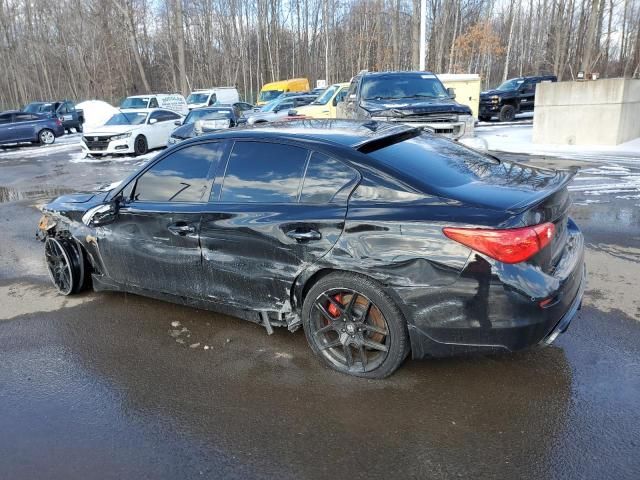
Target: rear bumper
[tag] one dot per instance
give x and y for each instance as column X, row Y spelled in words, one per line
column 496, row 307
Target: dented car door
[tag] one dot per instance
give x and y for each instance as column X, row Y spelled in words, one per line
column 153, row 244
column 275, row 209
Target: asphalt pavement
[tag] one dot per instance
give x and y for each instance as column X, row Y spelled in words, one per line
column 119, row 386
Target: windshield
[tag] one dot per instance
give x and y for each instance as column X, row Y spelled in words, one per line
column 509, row 85
column 122, row 118
column 268, row 95
column 198, row 98
column 326, row 96
column 38, row 108
column 392, row 87
column 134, row 102
column 270, row 106
column 196, row 115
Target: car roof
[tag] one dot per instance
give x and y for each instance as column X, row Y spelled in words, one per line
column 396, row 72
column 347, row 133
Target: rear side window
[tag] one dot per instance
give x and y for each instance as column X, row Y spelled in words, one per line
column 325, row 177
column 180, row 177
column 264, row 172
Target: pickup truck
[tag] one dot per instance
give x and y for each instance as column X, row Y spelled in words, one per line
column 516, row 95
column 65, row 111
column 413, row 98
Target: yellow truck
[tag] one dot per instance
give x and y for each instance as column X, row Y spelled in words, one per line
column 466, row 87
column 271, row 91
column 325, row 105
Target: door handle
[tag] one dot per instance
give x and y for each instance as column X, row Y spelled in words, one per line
column 304, row 235
column 181, row 229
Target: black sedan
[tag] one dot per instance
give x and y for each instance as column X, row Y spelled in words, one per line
column 378, row 239
column 206, row 120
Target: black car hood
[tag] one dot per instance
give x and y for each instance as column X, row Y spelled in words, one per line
column 185, row 131
column 74, row 205
column 404, row 107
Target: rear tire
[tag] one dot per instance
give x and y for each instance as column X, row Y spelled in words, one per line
column 140, row 146
column 507, row 113
column 354, row 326
column 46, row 137
column 79, row 128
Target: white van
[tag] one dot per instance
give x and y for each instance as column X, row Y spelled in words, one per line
column 212, row 96
column 170, row 101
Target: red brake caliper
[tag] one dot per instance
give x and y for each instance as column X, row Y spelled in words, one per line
column 332, row 309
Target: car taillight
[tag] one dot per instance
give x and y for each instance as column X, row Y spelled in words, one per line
column 58, row 122
column 511, row 245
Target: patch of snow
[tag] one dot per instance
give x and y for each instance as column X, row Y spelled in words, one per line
column 518, row 139
column 96, row 113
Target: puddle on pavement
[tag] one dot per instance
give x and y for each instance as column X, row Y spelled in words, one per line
column 11, row 194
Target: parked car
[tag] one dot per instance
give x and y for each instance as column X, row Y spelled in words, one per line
column 325, row 105
column 66, row 111
column 131, row 131
column 22, row 127
column 206, row 120
column 278, row 109
column 171, row 101
column 378, row 239
column 212, row 96
column 271, row 91
column 512, row 97
column 414, row 98
column 243, row 107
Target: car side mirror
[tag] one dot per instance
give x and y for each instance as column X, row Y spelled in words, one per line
column 292, row 112
column 152, row 121
column 100, row 215
column 452, row 93
column 177, row 123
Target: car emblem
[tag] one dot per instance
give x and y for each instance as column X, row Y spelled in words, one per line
column 95, row 139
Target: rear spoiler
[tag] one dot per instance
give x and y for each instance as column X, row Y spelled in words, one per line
column 384, row 135
column 565, row 177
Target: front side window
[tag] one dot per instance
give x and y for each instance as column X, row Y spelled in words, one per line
column 6, row 118
column 24, row 117
column 180, row 177
column 510, row 85
column 263, row 172
column 153, row 103
column 198, row 98
column 325, row 177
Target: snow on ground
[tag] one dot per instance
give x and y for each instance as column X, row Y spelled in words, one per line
column 66, row 142
column 82, row 157
column 514, row 138
column 96, row 113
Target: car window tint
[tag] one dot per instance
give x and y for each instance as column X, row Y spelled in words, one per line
column 180, row 177
column 153, row 103
column 23, row 117
column 324, row 178
column 264, row 172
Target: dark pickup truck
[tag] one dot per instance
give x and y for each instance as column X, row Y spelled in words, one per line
column 412, row 98
column 513, row 96
column 65, row 111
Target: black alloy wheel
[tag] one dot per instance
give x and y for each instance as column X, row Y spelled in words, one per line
column 507, row 113
column 140, row 146
column 65, row 264
column 355, row 329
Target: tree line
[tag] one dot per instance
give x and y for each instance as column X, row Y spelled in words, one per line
column 108, row 49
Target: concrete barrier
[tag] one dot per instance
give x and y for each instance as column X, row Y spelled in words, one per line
column 601, row 112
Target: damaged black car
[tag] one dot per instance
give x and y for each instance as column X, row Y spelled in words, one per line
column 379, row 239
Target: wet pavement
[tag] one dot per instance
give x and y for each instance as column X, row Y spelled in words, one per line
column 120, row 386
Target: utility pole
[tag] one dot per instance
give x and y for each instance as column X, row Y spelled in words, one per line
column 423, row 32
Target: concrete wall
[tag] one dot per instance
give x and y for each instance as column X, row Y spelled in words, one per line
column 601, row 112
